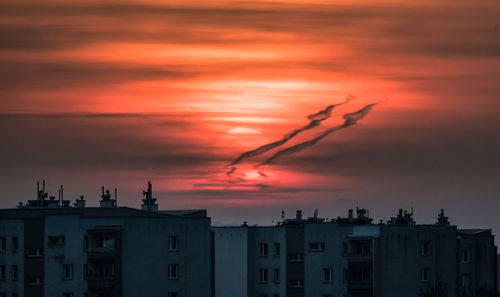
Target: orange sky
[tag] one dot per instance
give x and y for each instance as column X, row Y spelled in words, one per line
column 115, row 93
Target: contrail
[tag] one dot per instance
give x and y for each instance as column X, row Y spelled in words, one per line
column 349, row 120
column 315, row 120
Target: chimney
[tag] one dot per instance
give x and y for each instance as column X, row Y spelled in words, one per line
column 80, row 203
column 106, row 200
column 298, row 215
column 52, row 202
column 149, row 203
column 351, row 215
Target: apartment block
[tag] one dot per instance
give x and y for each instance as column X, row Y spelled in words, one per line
column 48, row 248
column 354, row 257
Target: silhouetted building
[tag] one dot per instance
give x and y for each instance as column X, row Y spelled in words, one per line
column 353, row 257
column 51, row 249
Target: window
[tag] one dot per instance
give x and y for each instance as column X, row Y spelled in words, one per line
column 172, row 243
column 263, row 277
column 67, row 294
column 106, row 242
column 276, row 295
column 316, row 246
column 277, row 277
column 263, row 250
column 172, row 271
column 68, row 271
column 56, row 240
column 15, row 244
column 465, row 280
column 299, row 257
column 465, row 256
column 327, row 275
column 34, row 252
column 15, row 295
column 173, row 294
column 424, row 248
column 2, row 244
column 327, row 295
column 3, row 272
column 15, row 272
column 424, row 274
column 277, row 250
column 296, row 283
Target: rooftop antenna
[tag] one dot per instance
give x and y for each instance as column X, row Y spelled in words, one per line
column 43, row 188
column 102, row 190
column 116, row 196
column 61, row 199
column 37, row 190
column 283, row 215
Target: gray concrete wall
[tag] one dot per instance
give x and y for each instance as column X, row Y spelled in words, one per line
column 231, row 261
column 10, row 229
column 332, row 257
column 401, row 259
column 269, row 235
column 146, row 257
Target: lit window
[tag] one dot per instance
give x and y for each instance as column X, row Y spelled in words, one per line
column 56, row 240
column 172, row 271
column 424, row 248
column 172, row 243
column 424, row 274
column 263, row 277
column 327, row 275
column 277, row 277
column 465, row 256
column 263, row 250
column 68, row 271
column 316, row 246
column 277, row 250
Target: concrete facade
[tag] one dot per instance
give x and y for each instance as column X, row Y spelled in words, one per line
column 352, row 257
column 105, row 251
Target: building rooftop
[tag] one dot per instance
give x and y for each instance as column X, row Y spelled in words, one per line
column 97, row 212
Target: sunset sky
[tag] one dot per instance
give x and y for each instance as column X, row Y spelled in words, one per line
column 117, row 93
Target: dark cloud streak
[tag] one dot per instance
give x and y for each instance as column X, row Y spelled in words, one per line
column 349, row 120
column 315, row 120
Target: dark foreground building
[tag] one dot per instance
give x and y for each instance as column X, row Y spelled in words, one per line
column 50, row 248
column 353, row 257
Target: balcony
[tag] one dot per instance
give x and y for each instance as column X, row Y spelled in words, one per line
column 101, row 282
